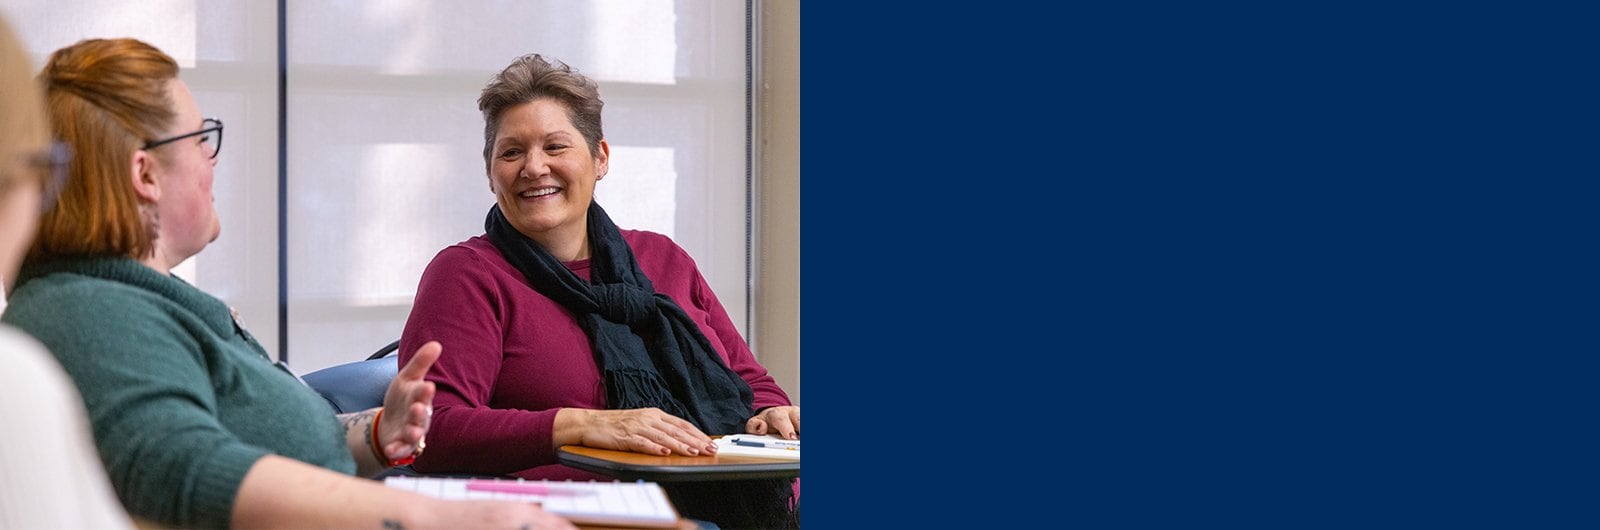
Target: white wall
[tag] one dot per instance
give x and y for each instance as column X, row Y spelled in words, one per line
column 776, row 329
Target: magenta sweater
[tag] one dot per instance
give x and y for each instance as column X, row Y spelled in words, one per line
column 512, row 356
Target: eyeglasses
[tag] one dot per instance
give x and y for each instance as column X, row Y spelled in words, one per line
column 210, row 134
column 52, row 167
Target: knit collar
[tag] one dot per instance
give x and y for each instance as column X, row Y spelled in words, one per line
column 209, row 309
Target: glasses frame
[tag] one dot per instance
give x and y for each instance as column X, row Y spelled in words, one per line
column 54, row 165
column 204, row 128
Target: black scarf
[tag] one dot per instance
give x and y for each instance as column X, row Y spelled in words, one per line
column 650, row 353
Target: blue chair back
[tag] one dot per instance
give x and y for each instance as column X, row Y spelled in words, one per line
column 355, row 386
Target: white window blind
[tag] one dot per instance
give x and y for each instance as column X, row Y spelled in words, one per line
column 385, row 142
column 228, row 54
column 384, row 164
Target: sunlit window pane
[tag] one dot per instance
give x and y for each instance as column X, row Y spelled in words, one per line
column 385, row 142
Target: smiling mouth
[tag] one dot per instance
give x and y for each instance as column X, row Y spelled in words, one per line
column 540, row 192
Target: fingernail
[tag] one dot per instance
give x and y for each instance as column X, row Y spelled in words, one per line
column 693, row 451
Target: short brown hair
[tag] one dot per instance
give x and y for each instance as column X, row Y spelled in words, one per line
column 532, row 77
column 106, row 97
column 22, row 119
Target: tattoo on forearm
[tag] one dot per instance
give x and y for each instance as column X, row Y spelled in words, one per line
column 350, row 421
column 391, row 524
column 353, row 420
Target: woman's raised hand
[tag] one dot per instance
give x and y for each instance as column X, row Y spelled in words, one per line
column 408, row 405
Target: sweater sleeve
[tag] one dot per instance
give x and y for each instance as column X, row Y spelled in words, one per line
column 460, row 304
column 740, row 358
column 150, row 399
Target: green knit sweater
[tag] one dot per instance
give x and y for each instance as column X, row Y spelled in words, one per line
column 183, row 401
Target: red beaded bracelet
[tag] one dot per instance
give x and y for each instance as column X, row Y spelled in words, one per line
column 377, row 448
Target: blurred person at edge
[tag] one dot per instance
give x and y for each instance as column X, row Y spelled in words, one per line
column 50, row 476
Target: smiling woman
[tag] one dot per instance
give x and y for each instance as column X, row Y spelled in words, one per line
column 566, row 329
column 543, row 175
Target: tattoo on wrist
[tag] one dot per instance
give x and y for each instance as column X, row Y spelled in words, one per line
column 391, row 524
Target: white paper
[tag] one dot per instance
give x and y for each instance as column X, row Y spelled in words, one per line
column 777, row 448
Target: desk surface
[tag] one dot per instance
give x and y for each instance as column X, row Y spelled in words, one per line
column 625, row 465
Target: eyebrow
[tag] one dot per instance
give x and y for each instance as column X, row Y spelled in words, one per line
column 553, row 135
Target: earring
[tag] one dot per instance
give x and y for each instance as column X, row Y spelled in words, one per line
column 152, row 220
